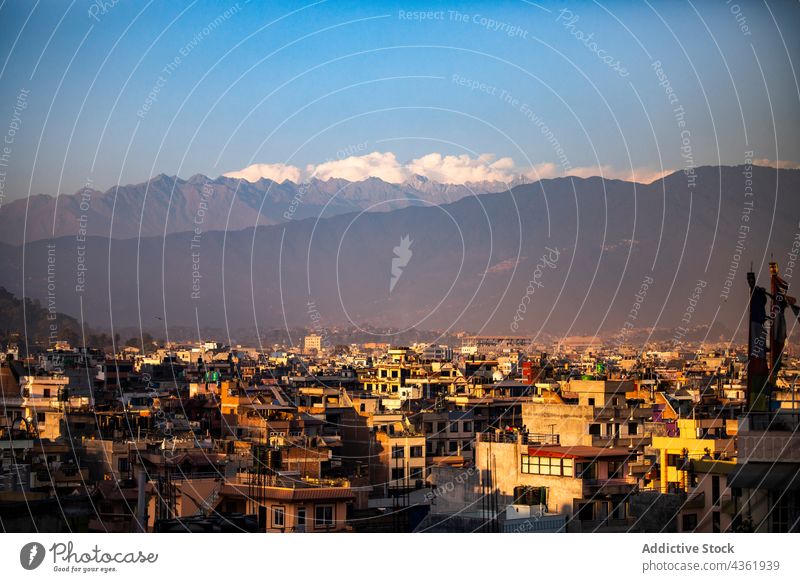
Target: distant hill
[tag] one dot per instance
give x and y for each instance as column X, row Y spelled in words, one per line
column 630, row 257
column 33, row 321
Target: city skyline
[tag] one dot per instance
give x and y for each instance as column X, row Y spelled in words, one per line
column 404, row 267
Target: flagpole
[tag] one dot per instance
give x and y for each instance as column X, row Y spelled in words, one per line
column 773, row 328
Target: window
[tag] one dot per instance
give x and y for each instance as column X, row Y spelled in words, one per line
column 398, row 452
column 122, row 465
column 617, row 510
column 715, row 490
column 633, row 428
column 614, row 469
column 416, row 452
column 566, row 467
column 40, row 417
column 525, row 495
column 594, row 429
column 466, row 446
column 674, row 461
column 529, row 465
column 278, row 516
column 440, row 426
column 417, row 474
column 453, row 427
column 547, row 466
column 394, row 373
column 46, row 393
column 586, row 470
column 466, row 426
column 591, row 401
column 323, row 516
column 428, row 428
column 398, row 473
column 452, row 446
column 689, row 522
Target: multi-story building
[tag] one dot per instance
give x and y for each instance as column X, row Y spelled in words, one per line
column 696, row 439
column 399, row 460
column 449, row 435
column 588, row 486
column 765, row 484
column 312, row 343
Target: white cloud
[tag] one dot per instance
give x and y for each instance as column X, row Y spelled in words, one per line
column 639, row 175
column 356, row 168
column 542, row 171
column 463, row 169
column 445, row 169
column 782, row 164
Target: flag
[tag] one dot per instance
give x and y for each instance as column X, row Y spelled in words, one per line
column 757, row 366
column 779, row 304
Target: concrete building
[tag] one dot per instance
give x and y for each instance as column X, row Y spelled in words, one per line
column 305, row 506
column 449, row 435
column 765, row 484
column 399, row 461
column 587, row 484
column 312, row 343
column 696, row 439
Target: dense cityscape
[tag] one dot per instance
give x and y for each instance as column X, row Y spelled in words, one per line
column 378, row 269
column 481, row 434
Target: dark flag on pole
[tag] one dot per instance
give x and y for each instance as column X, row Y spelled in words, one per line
column 758, row 390
column 779, row 303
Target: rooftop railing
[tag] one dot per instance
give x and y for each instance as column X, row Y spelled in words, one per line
column 522, row 438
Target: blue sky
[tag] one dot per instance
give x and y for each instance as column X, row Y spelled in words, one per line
column 300, row 83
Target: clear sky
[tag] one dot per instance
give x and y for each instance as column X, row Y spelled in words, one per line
column 118, row 92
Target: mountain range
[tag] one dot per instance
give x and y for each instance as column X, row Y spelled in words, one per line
column 167, row 205
column 562, row 256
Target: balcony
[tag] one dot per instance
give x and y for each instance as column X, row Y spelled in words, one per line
column 67, row 476
column 777, row 421
column 617, row 486
column 697, row 501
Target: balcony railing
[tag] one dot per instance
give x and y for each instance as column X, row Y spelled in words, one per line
column 522, row 438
